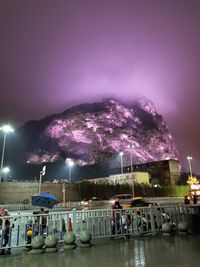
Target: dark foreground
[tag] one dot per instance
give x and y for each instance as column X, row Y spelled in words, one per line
column 158, row 251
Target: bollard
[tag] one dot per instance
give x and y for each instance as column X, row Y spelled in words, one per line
column 183, row 228
column 85, row 239
column 167, row 229
column 51, row 243
column 37, row 244
column 70, row 237
column 69, row 240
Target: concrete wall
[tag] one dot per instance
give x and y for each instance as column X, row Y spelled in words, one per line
column 16, row 192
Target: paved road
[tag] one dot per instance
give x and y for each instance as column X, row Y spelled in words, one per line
column 158, row 251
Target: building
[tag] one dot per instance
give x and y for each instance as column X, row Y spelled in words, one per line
column 137, row 177
column 165, row 172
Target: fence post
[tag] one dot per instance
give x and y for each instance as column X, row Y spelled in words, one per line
column 153, row 229
column 74, row 221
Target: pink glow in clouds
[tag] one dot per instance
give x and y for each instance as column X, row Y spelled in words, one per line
column 54, row 54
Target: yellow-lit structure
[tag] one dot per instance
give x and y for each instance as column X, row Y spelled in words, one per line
column 136, row 177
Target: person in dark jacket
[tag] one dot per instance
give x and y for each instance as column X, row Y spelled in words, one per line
column 195, row 199
column 186, row 200
column 116, row 217
column 7, row 229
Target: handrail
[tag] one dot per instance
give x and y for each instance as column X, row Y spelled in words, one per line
column 100, row 222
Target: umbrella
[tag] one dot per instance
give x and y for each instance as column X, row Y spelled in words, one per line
column 44, row 200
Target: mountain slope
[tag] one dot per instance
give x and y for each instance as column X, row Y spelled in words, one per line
column 91, row 133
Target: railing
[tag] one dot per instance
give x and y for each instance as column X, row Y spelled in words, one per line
column 17, row 231
column 77, row 204
column 16, row 207
column 21, row 207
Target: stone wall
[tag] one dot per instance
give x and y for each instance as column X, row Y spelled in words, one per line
column 16, row 192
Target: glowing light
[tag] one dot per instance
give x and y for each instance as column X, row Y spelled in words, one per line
column 6, row 170
column 7, row 129
column 71, row 163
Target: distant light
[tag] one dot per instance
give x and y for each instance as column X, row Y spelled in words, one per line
column 6, row 170
column 131, row 146
column 71, row 163
column 189, row 157
column 121, row 153
column 7, row 129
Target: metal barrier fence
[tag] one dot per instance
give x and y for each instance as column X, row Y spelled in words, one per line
column 16, row 207
column 17, row 231
column 77, row 204
column 21, row 207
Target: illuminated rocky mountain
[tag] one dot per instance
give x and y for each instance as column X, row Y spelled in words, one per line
column 92, row 133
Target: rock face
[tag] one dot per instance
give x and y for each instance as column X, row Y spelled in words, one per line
column 92, row 133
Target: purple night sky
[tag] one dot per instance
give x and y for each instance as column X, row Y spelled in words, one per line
column 54, row 54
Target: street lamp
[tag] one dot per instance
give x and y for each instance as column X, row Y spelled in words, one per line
column 121, row 159
column 63, row 192
column 131, row 161
column 131, row 158
column 6, row 129
column 71, row 164
column 5, row 171
column 189, row 162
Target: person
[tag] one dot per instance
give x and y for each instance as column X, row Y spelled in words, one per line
column 116, row 217
column 44, row 221
column 40, row 223
column 186, row 200
column 6, row 235
column 195, row 199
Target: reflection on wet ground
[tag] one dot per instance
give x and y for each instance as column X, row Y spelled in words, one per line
column 157, row 251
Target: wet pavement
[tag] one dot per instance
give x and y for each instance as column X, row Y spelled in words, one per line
column 151, row 251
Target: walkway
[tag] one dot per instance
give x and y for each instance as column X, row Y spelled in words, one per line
column 157, row 251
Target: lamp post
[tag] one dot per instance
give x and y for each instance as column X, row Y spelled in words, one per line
column 131, row 158
column 71, row 164
column 63, row 191
column 6, row 129
column 189, row 158
column 6, row 170
column 42, row 173
column 121, row 160
column 131, row 162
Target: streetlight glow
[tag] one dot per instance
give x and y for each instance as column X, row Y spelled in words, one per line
column 6, row 170
column 6, row 129
column 71, row 163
